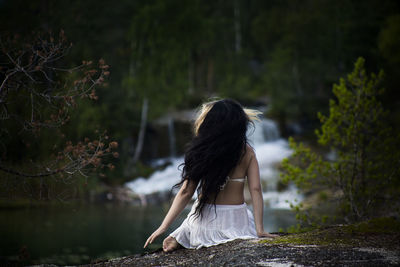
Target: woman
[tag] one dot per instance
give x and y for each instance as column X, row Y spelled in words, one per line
column 217, row 163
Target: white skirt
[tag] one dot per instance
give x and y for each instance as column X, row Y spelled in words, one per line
column 220, row 225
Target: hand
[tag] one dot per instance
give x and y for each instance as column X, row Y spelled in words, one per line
column 153, row 236
column 265, row 234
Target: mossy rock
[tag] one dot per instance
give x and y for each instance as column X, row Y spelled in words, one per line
column 378, row 232
column 376, row 225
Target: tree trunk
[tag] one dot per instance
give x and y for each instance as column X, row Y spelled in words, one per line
column 142, row 131
column 191, row 80
column 238, row 36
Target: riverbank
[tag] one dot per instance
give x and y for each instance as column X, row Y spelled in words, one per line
column 373, row 243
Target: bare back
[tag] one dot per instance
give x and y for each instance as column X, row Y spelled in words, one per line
column 232, row 193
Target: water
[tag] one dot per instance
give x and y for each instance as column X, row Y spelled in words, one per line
column 78, row 234
column 82, row 234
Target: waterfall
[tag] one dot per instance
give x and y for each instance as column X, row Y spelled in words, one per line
column 270, row 130
column 270, row 150
column 264, row 130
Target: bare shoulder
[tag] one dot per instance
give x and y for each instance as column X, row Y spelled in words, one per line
column 249, row 154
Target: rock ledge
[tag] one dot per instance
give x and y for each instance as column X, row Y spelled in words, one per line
column 261, row 253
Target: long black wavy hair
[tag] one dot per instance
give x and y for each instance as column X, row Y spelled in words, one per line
column 218, row 145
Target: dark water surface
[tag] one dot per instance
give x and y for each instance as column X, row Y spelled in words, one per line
column 81, row 234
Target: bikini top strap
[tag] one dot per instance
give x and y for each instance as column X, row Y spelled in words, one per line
column 242, row 180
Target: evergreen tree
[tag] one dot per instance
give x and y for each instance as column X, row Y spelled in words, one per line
column 364, row 174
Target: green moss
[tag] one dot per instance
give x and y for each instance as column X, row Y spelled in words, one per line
column 376, row 225
column 296, row 229
column 315, row 237
column 348, row 235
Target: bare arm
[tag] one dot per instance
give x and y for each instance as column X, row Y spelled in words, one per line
column 180, row 201
column 253, row 176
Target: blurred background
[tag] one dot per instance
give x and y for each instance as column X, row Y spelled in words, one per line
column 156, row 62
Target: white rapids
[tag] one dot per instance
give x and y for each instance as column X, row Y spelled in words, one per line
column 270, row 150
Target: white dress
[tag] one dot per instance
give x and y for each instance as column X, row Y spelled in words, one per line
column 216, row 226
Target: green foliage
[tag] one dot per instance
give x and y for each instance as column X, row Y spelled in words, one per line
column 178, row 53
column 389, row 39
column 364, row 175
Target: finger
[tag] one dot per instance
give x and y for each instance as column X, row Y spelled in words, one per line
column 152, row 238
column 145, row 244
column 148, row 241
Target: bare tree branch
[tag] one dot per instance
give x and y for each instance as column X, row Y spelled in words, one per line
column 38, row 91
